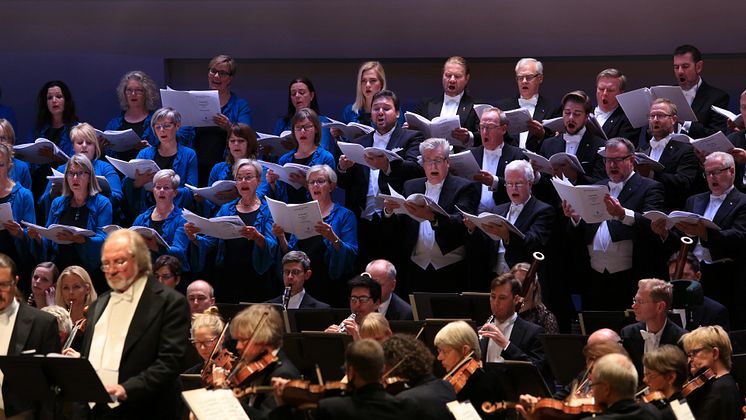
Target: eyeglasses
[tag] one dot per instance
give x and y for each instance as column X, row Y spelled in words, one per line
column 245, row 178
column 641, row 301
column 205, row 343
column 294, row 272
column 167, row 126
column 6, row 285
column 163, row 187
column 527, row 77
column 308, row 127
column 134, row 91
column 654, row 117
column 76, row 174
column 219, row 73
column 320, row 181
column 715, row 172
column 616, row 159
column 436, row 162
column 107, row 266
column 693, row 352
column 650, row 374
column 360, row 299
column 514, row 184
column 164, row 276
column 489, row 127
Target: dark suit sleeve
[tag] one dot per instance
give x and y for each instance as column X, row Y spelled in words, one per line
column 687, row 169
column 407, row 168
column 529, row 349
column 712, row 121
column 172, row 345
column 538, row 234
column 728, row 242
column 452, row 226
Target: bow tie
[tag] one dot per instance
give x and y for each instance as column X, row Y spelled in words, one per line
column 616, row 185
column 718, row 197
column 572, row 139
column 647, row 335
column 452, row 100
column 126, row 296
column 525, row 102
column 497, row 152
column 657, row 144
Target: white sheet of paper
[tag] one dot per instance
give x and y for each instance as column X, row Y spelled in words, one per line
column 297, row 219
column 197, row 107
column 149, row 233
column 716, row 142
column 120, row 140
column 737, row 119
column 463, row 410
column 555, row 124
column 224, row 227
column 217, row 404
column 486, row 218
column 6, row 214
column 350, row 130
column 439, row 127
column 31, row 152
column 356, row 152
column 586, row 200
column 211, row 192
column 284, row 171
column 53, row 229
column 675, row 95
column 643, row 159
column 636, row 103
column 480, row 108
column 417, row 198
column 274, row 145
column 681, row 410
column 464, row 165
column 129, row 168
column 518, row 120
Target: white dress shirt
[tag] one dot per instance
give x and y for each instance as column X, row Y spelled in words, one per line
column 658, row 146
column 490, row 162
column 689, row 95
column 652, row 340
column 702, row 253
column 380, row 141
column 494, row 352
column 530, row 105
column 296, row 299
column 606, row 254
column 450, row 105
column 602, row 116
column 7, row 322
column 426, row 250
column 572, row 141
column 384, row 306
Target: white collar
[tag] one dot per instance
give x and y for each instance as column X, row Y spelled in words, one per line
column 456, row 98
column 497, row 152
column 9, row 311
column 530, row 101
column 574, row 138
column 722, row 196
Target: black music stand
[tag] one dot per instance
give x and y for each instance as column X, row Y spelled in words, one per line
column 591, row 321
column 190, row 381
column 307, row 349
column 514, row 377
column 565, row 355
column 467, row 305
column 54, row 379
column 739, row 372
column 300, row 320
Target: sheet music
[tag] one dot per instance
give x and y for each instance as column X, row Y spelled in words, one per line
column 298, row 219
column 586, row 200
column 213, row 192
column 31, row 152
column 224, row 227
column 120, row 140
column 215, row 404
column 197, row 107
column 6, row 214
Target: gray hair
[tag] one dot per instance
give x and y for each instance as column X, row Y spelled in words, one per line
column 618, row 372
column 83, row 162
column 297, row 257
column 64, row 323
column 328, row 172
column 243, row 162
column 616, row 141
column 163, row 114
column 457, row 334
column 152, row 98
column 436, row 144
column 137, row 248
column 525, row 61
column 523, row 166
column 167, row 173
column 725, row 158
column 389, row 267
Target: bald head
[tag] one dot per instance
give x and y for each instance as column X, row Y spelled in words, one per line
column 200, row 295
column 384, row 273
column 604, row 335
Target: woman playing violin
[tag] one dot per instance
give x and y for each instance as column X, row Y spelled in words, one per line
column 457, row 342
column 666, row 371
column 718, row 398
column 206, row 330
column 261, row 345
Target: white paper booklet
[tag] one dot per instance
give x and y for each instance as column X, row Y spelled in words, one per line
column 6, row 214
column 416, row 198
column 546, row 165
column 120, row 140
column 297, row 219
column 518, row 120
column 144, row 231
column 679, row 217
column 214, row 404
column 586, row 200
column 636, row 103
column 356, row 152
column 197, row 107
column 439, row 127
column 555, row 124
column 31, row 152
column 53, row 229
column 716, row 142
column 275, row 145
column 57, row 177
column 737, row 119
column 643, row 159
column 223, row 227
column 214, row 192
column 464, row 164
column 480, row 108
column 350, row 130
column 128, row 168
column 284, row 171
column 485, row 218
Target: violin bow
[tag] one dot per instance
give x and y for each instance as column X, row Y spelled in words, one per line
column 240, row 363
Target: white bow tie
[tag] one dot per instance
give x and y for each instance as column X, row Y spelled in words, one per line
column 647, row 335
column 525, row 102
column 572, row 139
column 117, row 297
column 616, row 185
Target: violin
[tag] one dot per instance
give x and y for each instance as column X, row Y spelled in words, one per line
column 462, row 372
column 548, row 408
column 244, row 370
column 299, row 393
column 697, row 382
column 395, row 384
column 223, row 359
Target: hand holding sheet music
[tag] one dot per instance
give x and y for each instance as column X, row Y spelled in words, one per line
column 439, row 127
column 586, row 200
column 357, row 153
column 223, row 227
column 41, row 151
column 298, row 219
column 412, row 206
column 61, row 234
column 197, row 107
column 486, row 218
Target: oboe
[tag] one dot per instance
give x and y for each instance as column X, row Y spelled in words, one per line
column 342, row 328
column 286, row 298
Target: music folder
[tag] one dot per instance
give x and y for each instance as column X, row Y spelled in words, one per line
column 39, row 378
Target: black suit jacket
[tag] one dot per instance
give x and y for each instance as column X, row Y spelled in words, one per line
column 154, row 349
column 709, row 121
column 629, row 410
column 430, row 395
column 680, row 173
column 509, row 154
column 355, row 179
column 544, row 110
column 524, row 344
column 450, row 232
column 618, row 125
column 430, row 108
column 587, row 154
column 369, row 402
column 308, row 302
column 33, row 330
column 635, row 345
column 710, row 312
column 738, row 139
column 728, row 242
column 398, row 309
column 535, row 221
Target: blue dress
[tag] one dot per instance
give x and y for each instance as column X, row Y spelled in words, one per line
column 184, row 136
column 172, row 231
column 20, row 173
column 319, row 157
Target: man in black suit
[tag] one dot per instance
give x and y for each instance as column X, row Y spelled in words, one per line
column 680, row 165
column 507, row 336
column 363, row 182
column 529, row 74
column 365, row 297
column 22, row 328
column 364, row 361
column 411, row 359
column 687, row 67
column 454, row 101
column 577, row 140
column 621, row 250
column 653, row 329
column 720, row 251
column 433, row 243
column 392, row 306
column 492, row 156
column 610, row 83
column 137, row 334
column 296, row 271
column 710, row 312
column 738, row 138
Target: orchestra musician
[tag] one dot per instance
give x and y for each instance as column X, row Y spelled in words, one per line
column 365, row 296
column 666, row 370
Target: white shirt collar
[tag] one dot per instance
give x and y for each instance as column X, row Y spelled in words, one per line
column 456, row 98
column 384, row 306
column 574, row 138
column 530, row 101
column 660, row 143
column 507, row 322
column 7, row 313
column 722, row 196
column 497, row 152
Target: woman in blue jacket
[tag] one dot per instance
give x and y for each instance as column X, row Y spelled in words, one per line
column 302, row 94
column 19, row 171
column 13, row 240
column 82, row 206
column 243, row 264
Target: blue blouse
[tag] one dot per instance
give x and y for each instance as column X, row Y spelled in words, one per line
column 173, row 234
column 319, row 157
column 261, row 259
column 20, row 173
column 183, row 136
column 22, row 204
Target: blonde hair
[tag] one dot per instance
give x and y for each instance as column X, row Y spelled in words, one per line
column 8, row 131
column 380, row 73
column 244, row 324
column 83, row 162
column 83, row 275
column 710, row 337
column 210, row 319
column 88, row 132
column 457, row 334
column 375, row 325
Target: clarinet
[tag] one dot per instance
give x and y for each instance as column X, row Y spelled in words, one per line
column 342, row 328
column 490, row 320
column 286, row 298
